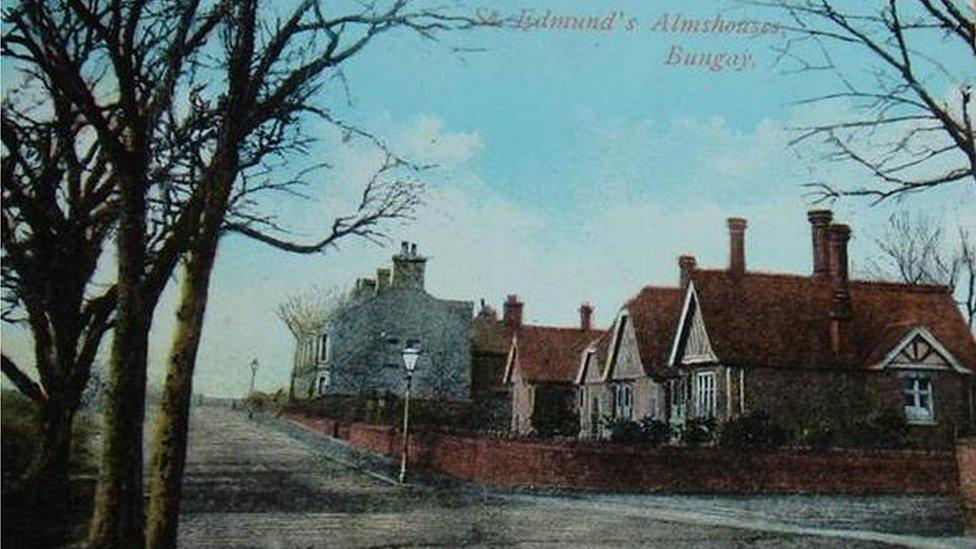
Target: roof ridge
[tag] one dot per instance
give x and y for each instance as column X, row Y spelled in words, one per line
column 563, row 328
column 878, row 284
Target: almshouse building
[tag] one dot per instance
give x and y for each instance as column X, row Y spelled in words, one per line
column 623, row 374
column 821, row 349
column 359, row 351
column 541, row 370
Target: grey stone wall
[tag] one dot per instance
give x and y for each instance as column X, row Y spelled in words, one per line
column 367, row 338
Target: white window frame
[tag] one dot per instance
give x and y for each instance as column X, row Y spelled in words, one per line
column 324, row 381
column 324, row 345
column 920, row 389
column 705, row 394
column 624, row 400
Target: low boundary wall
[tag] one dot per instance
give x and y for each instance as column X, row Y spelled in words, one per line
column 630, row 468
column 966, row 463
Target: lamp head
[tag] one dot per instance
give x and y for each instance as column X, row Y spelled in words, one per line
column 410, row 357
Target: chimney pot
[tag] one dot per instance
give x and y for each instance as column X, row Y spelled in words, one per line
column 586, row 316
column 413, row 249
column 737, row 245
column 819, row 227
column 512, row 311
column 686, row 264
column 408, row 269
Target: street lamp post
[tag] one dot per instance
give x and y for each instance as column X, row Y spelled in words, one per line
column 254, row 372
column 410, row 356
column 250, row 403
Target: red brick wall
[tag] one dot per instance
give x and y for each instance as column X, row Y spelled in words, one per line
column 966, row 461
column 603, row 466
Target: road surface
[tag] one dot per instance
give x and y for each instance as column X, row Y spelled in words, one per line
column 248, row 484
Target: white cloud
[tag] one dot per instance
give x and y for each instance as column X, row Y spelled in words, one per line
column 643, row 191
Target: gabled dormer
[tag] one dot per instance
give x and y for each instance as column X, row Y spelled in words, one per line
column 691, row 344
column 919, row 349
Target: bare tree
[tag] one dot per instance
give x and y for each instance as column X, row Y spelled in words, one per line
column 966, row 277
column 305, row 314
column 893, row 62
column 185, row 154
column 915, row 250
column 57, row 213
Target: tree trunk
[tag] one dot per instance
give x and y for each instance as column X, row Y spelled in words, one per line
column 117, row 520
column 49, row 467
column 173, row 419
column 45, row 484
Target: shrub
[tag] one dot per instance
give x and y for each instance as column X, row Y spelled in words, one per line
column 756, row 428
column 19, row 433
column 555, row 424
column 624, row 430
column 887, row 429
column 645, row 431
column 698, row 431
column 656, row 432
column 816, row 435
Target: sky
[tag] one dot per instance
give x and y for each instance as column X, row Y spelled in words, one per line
column 571, row 166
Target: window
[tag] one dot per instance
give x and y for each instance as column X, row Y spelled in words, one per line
column 676, row 391
column 705, row 394
column 917, row 391
column 324, row 347
column 323, row 382
column 624, row 395
column 595, row 417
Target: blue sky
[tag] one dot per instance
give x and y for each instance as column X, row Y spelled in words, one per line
column 572, row 165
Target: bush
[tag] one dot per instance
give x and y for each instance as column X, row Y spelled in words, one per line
column 624, row 430
column 656, row 432
column 754, row 429
column 19, row 433
column 554, row 424
column 887, row 430
column 698, row 431
column 817, row 436
column 646, row 431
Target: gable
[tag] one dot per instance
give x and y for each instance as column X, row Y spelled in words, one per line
column 587, row 359
column 510, row 361
column 697, row 348
column 625, row 361
column 919, row 352
column 692, row 344
column 919, row 349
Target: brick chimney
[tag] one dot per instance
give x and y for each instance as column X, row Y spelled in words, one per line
column 512, row 311
column 382, row 280
column 408, row 268
column 819, row 227
column 737, row 245
column 686, row 265
column 586, row 316
column 841, row 309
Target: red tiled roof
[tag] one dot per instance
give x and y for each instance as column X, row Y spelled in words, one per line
column 655, row 313
column 761, row 319
column 550, row 354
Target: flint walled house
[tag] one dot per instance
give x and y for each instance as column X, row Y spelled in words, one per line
column 814, row 351
column 818, row 350
column 359, row 351
column 540, row 370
